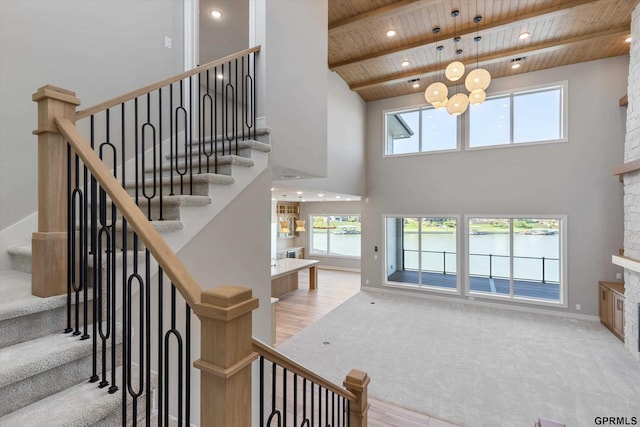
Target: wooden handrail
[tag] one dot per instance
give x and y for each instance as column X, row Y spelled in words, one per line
column 166, row 258
column 280, row 359
column 154, row 86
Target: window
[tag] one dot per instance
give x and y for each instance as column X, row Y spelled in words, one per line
column 508, row 119
column 422, row 251
column 336, row 235
column 518, row 258
column 517, row 118
column 419, row 130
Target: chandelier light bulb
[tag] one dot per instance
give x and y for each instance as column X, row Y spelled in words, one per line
column 477, row 79
column 458, row 104
column 454, row 71
column 436, row 92
column 477, row 96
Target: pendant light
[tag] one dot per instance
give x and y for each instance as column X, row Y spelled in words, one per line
column 300, row 222
column 436, row 93
column 284, row 224
column 458, row 104
column 455, row 70
column 478, row 79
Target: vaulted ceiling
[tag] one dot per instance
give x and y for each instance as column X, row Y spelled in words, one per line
column 562, row 32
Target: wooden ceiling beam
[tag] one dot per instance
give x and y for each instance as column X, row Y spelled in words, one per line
column 490, row 27
column 533, row 49
column 381, row 12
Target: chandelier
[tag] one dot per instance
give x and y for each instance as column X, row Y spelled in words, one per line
column 476, row 81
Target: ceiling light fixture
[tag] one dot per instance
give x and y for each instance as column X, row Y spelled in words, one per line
column 524, row 35
column 416, row 85
column 517, row 62
column 436, row 93
column 405, row 63
column 216, row 14
column 455, row 70
column 476, row 82
column 391, row 33
column 628, row 39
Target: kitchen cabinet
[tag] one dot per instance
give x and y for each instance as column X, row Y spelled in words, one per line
column 611, row 304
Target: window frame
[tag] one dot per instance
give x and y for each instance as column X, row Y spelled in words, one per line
column 328, row 254
column 420, row 108
column 511, row 94
column 422, row 287
column 562, row 268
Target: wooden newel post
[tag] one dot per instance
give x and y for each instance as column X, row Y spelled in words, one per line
column 357, row 383
column 49, row 243
column 226, row 356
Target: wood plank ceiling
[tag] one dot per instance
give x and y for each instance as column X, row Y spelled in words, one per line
column 562, row 32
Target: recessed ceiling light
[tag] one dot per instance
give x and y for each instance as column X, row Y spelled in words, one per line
column 320, row 195
column 298, row 192
column 273, row 199
column 348, row 200
column 516, row 62
column 405, row 63
column 391, row 33
column 628, row 39
column 416, row 85
column 303, row 200
column 272, row 188
column 524, row 35
column 337, row 197
column 216, row 14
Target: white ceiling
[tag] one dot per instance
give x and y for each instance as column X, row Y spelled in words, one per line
column 292, row 195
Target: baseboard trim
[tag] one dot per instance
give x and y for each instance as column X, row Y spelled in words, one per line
column 586, row 317
column 331, row 267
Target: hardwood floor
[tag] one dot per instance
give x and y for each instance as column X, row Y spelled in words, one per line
column 300, row 308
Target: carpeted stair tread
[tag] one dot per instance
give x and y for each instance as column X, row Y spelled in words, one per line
column 81, row 405
column 227, row 160
column 260, row 132
column 16, row 299
column 161, row 226
column 248, row 144
column 174, row 200
column 200, row 178
column 40, row 355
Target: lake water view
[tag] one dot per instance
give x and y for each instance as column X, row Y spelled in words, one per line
column 528, row 253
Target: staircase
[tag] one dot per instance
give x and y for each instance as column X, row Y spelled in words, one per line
column 148, row 171
column 43, row 372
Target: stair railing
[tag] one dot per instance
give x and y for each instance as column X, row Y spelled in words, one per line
column 290, row 394
column 126, row 289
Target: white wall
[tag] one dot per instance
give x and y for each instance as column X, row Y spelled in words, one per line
column 295, row 63
column 345, row 142
column 234, row 250
column 327, row 208
column 224, row 36
column 573, row 178
column 97, row 48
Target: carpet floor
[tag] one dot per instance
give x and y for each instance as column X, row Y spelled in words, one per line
column 474, row 365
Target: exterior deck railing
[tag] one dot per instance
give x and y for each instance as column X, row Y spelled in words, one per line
column 490, row 258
